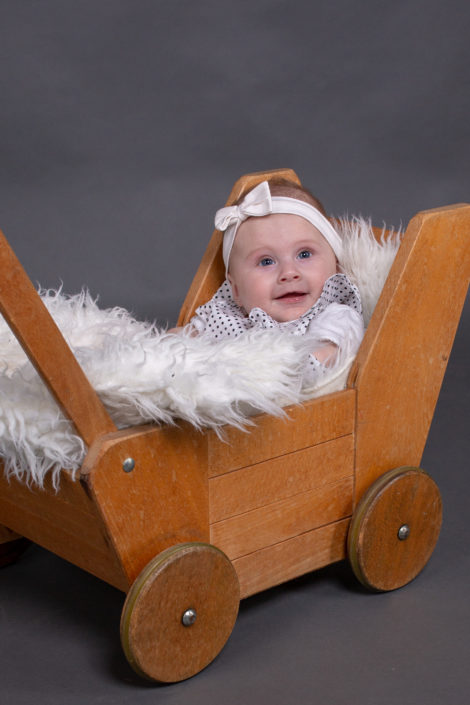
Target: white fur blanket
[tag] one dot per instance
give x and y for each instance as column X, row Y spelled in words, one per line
column 144, row 374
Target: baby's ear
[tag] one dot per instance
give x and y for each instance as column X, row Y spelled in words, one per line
column 234, row 288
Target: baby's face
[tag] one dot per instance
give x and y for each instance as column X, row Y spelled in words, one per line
column 279, row 263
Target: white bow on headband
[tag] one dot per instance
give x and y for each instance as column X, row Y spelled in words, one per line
column 259, row 202
column 256, row 203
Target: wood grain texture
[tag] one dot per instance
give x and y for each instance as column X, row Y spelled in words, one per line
column 242, row 490
column 163, row 501
column 112, row 523
column 7, row 534
column 287, row 560
column 308, row 424
column 64, row 522
column 155, row 640
column 404, row 497
column 45, row 346
column 211, row 271
column 268, row 525
column 401, row 362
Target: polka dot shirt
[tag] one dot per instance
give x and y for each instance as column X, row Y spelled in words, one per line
column 223, row 318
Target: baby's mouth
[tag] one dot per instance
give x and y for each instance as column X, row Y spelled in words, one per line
column 292, row 296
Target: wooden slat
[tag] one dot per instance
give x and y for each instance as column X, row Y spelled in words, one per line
column 111, row 520
column 42, row 341
column 265, row 526
column 88, row 556
column 211, row 271
column 72, row 517
column 252, row 487
column 400, row 365
column 163, row 501
column 65, row 523
column 276, row 564
column 308, row 424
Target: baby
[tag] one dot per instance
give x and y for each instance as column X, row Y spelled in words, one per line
column 282, row 255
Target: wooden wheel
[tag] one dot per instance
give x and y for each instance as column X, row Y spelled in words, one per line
column 395, row 528
column 179, row 612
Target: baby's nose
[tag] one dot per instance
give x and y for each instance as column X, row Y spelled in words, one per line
column 288, row 274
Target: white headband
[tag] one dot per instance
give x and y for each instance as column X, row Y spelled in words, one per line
column 259, row 202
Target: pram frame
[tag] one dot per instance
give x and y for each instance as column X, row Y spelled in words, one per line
column 279, row 500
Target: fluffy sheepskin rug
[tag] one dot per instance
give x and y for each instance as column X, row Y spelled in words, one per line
column 144, row 374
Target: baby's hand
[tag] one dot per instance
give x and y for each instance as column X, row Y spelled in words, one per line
column 326, row 354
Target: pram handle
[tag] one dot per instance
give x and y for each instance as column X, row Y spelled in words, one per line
column 44, row 344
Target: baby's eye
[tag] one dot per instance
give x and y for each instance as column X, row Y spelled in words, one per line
column 266, row 261
column 305, row 254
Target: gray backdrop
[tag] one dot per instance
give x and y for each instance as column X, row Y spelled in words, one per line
column 123, row 125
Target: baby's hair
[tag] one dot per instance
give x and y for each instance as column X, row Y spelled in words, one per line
column 283, row 187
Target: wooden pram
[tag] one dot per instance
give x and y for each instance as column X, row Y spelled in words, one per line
column 187, row 525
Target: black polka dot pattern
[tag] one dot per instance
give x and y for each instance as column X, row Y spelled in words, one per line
column 222, row 318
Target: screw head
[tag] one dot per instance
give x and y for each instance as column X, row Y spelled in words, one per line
column 189, row 617
column 128, row 465
column 403, row 532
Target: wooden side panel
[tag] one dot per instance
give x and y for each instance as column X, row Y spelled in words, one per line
column 287, row 560
column 65, row 522
column 273, row 480
column 265, row 526
column 211, row 271
column 7, row 535
column 42, row 341
column 163, row 501
column 400, row 365
column 308, row 424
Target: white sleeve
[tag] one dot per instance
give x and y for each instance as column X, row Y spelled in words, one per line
column 314, row 371
column 198, row 323
column 338, row 324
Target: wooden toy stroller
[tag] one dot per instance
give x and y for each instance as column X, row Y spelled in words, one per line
column 187, row 525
